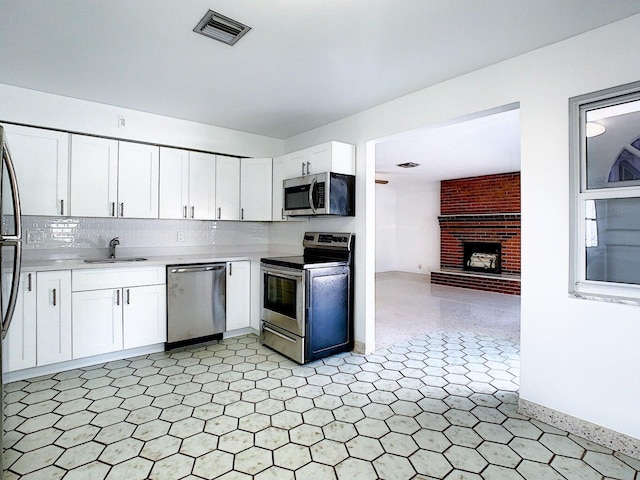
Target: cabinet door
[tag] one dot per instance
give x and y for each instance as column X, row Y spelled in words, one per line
column 19, row 346
column 97, row 322
column 174, row 183
column 238, row 295
column 318, row 158
column 53, row 303
column 331, row 157
column 94, row 176
column 138, row 178
column 255, row 189
column 145, row 315
column 41, row 159
column 202, row 186
column 228, row 188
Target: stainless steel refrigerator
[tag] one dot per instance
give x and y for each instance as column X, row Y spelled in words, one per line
column 10, row 253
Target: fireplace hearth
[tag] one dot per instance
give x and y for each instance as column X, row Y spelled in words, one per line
column 482, row 257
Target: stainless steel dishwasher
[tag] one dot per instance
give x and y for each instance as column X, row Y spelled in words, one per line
column 196, row 303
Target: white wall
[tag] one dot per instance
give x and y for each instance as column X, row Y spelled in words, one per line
column 30, row 107
column 407, row 229
column 417, row 228
column 386, row 239
column 578, row 356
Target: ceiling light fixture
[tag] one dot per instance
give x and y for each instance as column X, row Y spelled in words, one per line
column 221, row 28
column 408, row 165
column 594, row 129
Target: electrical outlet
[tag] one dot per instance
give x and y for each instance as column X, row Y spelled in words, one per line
column 180, row 236
column 35, row 237
column 122, row 121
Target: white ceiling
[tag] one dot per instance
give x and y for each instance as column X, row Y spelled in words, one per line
column 485, row 145
column 305, row 63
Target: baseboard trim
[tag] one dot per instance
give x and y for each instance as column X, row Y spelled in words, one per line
column 603, row 436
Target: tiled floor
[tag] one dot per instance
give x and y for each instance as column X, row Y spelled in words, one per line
column 439, row 406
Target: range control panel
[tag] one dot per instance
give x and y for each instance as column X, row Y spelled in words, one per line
column 342, row 241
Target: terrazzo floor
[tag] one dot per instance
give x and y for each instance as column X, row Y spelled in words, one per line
column 440, row 406
column 407, row 306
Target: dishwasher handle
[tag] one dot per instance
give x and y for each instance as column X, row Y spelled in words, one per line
column 200, row 268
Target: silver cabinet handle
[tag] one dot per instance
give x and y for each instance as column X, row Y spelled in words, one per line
column 113, row 209
column 303, row 169
column 193, row 211
column 61, row 207
column 29, row 287
column 122, row 209
column 184, row 212
column 55, row 301
column 242, row 214
column 128, row 296
column 219, row 213
column 308, row 168
column 118, row 297
column 282, row 213
column 230, row 269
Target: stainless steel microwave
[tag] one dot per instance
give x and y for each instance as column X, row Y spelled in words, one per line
column 326, row 193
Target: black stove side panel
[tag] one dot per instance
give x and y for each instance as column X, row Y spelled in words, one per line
column 329, row 328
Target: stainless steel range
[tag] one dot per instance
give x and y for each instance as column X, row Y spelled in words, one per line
column 307, row 301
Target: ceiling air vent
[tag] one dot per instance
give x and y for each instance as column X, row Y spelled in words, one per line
column 221, row 28
column 408, row 165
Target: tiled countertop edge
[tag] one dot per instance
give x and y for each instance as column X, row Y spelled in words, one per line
column 603, row 436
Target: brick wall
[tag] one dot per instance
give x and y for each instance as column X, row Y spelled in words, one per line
column 480, row 209
column 487, row 194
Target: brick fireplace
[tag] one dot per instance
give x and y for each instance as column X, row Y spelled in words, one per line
column 480, row 233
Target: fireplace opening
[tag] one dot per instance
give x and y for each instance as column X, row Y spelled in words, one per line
column 482, row 257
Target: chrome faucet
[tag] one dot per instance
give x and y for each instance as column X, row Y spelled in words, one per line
column 112, row 246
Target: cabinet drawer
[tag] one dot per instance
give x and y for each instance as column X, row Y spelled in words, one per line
column 100, row 278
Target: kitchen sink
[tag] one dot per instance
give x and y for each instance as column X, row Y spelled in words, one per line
column 114, row 260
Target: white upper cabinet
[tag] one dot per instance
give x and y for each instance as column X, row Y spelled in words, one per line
column 255, row 189
column 187, row 184
column 227, row 188
column 41, row 159
column 330, row 157
column 327, row 157
column 110, row 178
column 202, row 186
column 174, row 183
column 94, row 176
column 138, row 177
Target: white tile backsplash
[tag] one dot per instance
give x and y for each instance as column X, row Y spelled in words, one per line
column 95, row 233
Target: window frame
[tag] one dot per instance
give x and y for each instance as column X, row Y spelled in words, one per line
column 579, row 286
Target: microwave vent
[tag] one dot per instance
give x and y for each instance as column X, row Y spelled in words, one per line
column 221, row 28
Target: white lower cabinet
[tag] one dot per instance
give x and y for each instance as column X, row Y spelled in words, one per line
column 238, row 296
column 19, row 346
column 97, row 322
column 53, row 304
column 116, row 308
column 145, row 315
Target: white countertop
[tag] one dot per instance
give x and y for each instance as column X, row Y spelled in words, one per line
column 56, row 260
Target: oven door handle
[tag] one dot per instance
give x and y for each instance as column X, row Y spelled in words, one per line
column 283, row 275
column 278, row 334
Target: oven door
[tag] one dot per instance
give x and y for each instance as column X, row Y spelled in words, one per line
column 283, row 298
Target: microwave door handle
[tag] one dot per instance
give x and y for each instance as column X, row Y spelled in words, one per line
column 312, row 187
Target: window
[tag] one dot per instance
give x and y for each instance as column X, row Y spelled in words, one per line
column 605, row 194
